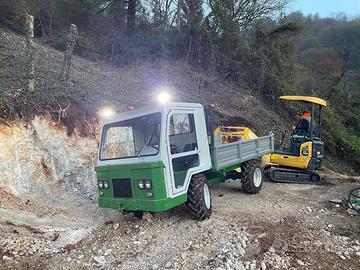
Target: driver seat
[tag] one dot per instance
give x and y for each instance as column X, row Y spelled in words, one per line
column 296, row 140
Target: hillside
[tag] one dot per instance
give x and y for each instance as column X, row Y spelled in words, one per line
column 30, row 121
column 49, row 217
column 98, row 84
column 95, row 84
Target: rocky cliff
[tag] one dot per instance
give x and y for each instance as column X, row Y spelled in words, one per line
column 40, row 159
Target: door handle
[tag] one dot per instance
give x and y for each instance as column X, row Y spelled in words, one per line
column 285, row 157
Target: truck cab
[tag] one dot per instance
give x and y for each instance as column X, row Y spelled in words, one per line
column 148, row 156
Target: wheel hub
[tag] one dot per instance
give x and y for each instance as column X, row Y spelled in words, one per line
column 257, row 177
column 207, row 198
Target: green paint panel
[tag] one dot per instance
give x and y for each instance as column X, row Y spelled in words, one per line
column 143, row 171
column 214, row 177
column 139, row 201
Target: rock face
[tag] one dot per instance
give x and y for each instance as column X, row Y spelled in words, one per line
column 39, row 159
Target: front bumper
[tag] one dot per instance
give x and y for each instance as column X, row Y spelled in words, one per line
column 121, row 204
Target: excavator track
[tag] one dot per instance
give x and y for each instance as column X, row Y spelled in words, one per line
column 286, row 175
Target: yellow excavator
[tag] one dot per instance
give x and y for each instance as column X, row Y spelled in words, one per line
column 298, row 162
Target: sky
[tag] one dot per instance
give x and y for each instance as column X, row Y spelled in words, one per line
column 327, row 7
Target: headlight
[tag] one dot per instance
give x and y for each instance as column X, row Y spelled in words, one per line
column 305, row 151
column 106, row 184
column 101, row 185
column 141, row 184
column 148, row 184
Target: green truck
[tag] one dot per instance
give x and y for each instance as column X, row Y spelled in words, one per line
column 155, row 158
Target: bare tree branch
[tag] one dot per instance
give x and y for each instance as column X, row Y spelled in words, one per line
column 242, row 12
column 164, row 13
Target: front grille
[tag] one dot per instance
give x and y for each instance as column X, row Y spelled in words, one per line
column 122, row 188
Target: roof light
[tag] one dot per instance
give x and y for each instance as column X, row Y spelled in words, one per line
column 164, row 97
column 106, row 112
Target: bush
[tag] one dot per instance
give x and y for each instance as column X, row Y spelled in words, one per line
column 340, row 141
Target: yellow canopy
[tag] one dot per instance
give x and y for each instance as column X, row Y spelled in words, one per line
column 313, row 100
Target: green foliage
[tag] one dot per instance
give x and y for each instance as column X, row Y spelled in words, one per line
column 194, row 31
column 341, row 142
column 229, row 16
column 329, row 52
column 13, row 14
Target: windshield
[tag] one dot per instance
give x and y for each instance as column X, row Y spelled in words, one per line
column 134, row 137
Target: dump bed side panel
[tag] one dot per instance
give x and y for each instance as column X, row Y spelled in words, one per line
column 226, row 155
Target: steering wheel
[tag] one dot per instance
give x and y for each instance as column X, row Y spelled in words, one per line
column 299, row 132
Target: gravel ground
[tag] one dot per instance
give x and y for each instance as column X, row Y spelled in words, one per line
column 283, row 227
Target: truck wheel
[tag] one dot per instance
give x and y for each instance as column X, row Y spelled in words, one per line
column 266, row 173
column 138, row 214
column 252, row 177
column 199, row 197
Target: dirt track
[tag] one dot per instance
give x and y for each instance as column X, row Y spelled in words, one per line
column 283, row 227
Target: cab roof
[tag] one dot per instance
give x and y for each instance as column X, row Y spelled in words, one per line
column 141, row 111
column 306, row 99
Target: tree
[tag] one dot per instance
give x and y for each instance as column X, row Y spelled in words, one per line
column 117, row 10
column 324, row 60
column 14, row 14
column 131, row 17
column 71, row 42
column 30, row 51
column 163, row 13
column 178, row 14
column 51, row 16
column 271, row 64
column 235, row 14
column 193, row 16
column 229, row 20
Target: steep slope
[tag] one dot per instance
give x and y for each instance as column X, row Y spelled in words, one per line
column 57, row 150
column 95, row 84
column 47, row 156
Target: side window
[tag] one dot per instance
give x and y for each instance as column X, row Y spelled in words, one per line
column 182, row 133
column 180, row 123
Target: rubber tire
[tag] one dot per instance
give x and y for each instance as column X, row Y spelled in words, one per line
column 266, row 173
column 247, row 179
column 138, row 214
column 196, row 200
column 315, row 178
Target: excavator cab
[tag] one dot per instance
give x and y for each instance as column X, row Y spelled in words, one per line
column 304, row 156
